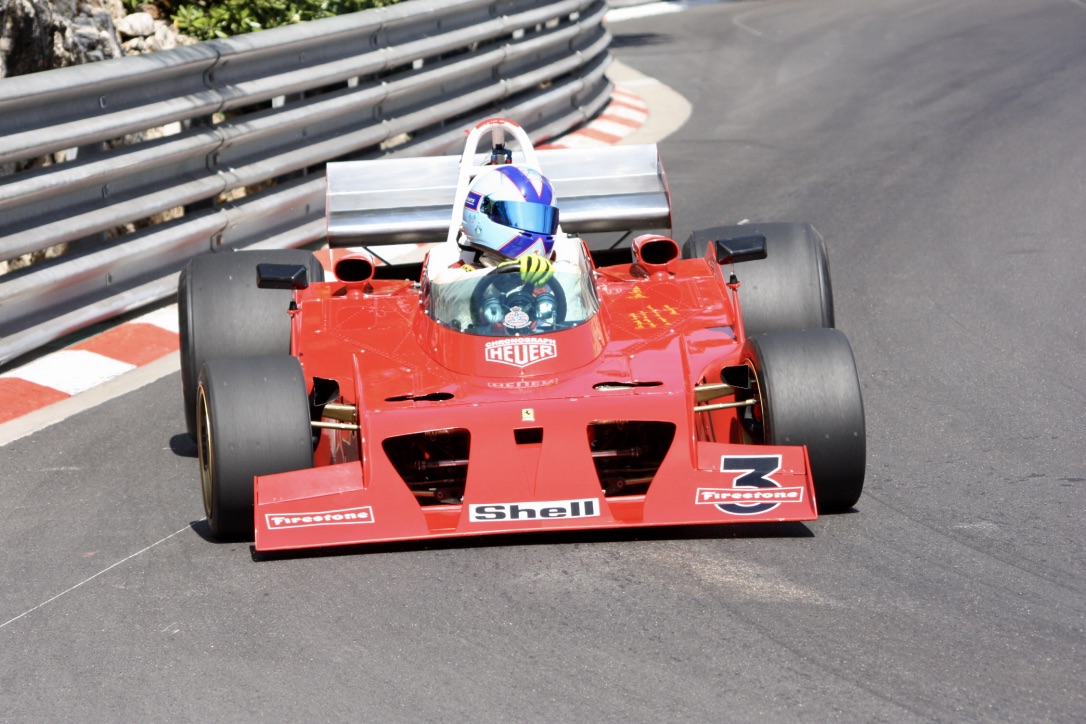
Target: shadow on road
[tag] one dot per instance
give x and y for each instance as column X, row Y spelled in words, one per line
column 638, row 40
column 183, row 446
column 632, row 535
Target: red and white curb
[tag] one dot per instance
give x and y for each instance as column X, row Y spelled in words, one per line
column 624, row 114
column 86, row 365
column 60, row 375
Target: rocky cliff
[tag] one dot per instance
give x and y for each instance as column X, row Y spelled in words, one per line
column 38, row 35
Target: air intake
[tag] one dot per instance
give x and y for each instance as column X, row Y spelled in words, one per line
column 433, row 464
column 628, row 453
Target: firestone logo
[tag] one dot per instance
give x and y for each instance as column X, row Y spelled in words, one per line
column 344, row 516
column 753, row 490
column 521, row 351
column 713, row 496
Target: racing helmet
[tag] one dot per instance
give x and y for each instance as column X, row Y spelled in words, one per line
column 510, row 211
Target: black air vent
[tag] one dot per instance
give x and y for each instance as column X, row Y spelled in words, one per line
column 434, row 464
column 607, row 386
column 627, row 454
column 431, row 397
column 528, row 436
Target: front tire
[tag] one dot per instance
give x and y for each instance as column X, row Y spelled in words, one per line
column 790, row 288
column 809, row 394
column 252, row 418
column 222, row 313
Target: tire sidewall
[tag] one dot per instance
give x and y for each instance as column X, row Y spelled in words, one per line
column 258, row 424
column 215, row 300
column 810, row 395
column 790, row 288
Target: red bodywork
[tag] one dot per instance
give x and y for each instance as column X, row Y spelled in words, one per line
column 537, row 423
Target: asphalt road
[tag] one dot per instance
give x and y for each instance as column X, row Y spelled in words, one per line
column 938, row 147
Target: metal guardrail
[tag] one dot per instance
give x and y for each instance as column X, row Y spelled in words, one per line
column 261, row 113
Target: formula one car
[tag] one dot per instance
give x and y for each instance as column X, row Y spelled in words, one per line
column 700, row 384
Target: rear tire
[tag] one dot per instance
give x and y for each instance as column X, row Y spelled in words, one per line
column 810, row 395
column 252, row 416
column 222, row 313
column 790, row 288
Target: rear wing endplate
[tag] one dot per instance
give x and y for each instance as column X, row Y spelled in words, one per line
column 410, row 200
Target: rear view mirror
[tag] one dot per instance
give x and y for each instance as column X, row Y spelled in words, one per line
column 282, row 276
column 737, row 376
column 742, row 248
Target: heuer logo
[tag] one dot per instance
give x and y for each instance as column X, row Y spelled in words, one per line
column 522, row 384
column 344, row 516
column 521, row 351
column 753, row 491
column 547, row 509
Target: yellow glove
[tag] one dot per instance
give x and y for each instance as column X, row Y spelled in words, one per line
column 534, row 268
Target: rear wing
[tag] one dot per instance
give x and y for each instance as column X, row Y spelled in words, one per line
column 410, row 200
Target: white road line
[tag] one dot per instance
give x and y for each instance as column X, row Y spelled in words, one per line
column 640, row 11
column 739, row 24
column 104, row 570
column 644, row 80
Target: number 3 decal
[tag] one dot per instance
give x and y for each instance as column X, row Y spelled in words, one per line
column 753, row 491
column 755, row 474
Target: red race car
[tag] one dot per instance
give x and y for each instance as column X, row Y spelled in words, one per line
column 694, row 384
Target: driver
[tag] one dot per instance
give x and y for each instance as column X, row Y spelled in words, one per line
column 508, row 234
column 510, row 218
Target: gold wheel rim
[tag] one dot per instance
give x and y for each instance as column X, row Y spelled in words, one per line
column 204, row 450
column 759, row 406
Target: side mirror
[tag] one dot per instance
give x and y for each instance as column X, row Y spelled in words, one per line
column 737, row 376
column 282, row 276
column 743, row 248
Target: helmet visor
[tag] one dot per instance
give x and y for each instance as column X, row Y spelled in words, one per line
column 523, row 215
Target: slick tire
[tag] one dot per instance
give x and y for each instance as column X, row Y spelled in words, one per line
column 790, row 288
column 809, row 395
column 222, row 313
column 252, row 418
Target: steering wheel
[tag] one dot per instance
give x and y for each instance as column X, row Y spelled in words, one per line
column 502, row 290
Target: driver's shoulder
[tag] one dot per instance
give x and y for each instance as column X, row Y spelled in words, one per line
column 567, row 248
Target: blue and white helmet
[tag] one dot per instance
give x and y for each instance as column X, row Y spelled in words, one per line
column 510, row 211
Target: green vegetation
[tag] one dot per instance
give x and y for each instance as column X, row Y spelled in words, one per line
column 207, row 20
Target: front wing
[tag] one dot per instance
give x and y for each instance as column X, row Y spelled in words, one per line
column 334, row 505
